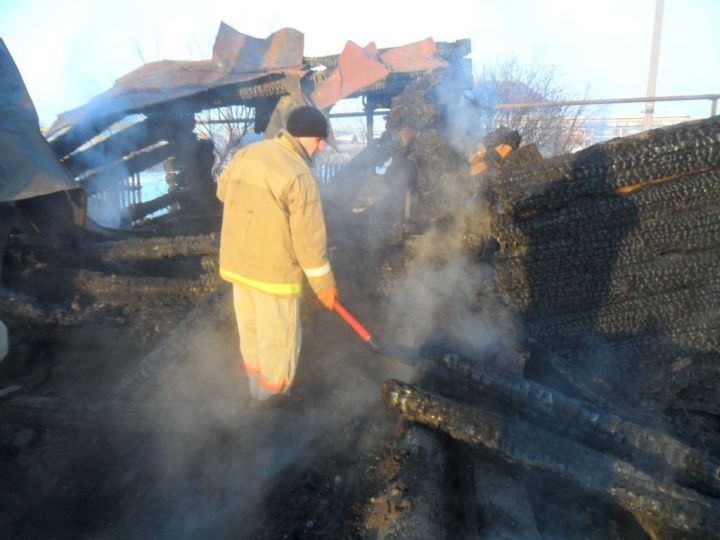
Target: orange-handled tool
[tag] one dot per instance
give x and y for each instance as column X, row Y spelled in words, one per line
column 353, row 323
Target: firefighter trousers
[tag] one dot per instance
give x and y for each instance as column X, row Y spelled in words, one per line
column 270, row 339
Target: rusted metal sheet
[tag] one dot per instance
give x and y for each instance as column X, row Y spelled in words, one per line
column 359, row 67
column 239, row 53
column 28, row 166
column 418, row 56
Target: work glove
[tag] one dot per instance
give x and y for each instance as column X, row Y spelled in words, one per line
column 328, row 297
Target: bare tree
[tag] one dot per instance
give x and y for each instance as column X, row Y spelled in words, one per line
column 225, row 126
column 554, row 130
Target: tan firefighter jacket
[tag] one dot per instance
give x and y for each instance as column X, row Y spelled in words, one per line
column 273, row 231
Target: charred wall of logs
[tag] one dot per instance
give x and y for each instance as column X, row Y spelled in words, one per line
column 608, row 258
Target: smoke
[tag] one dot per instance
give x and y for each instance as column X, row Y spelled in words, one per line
column 446, row 293
column 214, row 455
column 446, row 296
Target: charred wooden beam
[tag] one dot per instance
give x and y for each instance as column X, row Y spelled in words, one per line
column 116, row 287
column 504, row 505
column 159, row 247
column 66, row 414
column 24, row 309
column 131, row 139
column 686, row 464
column 680, row 508
column 57, row 254
column 411, row 505
column 138, row 211
column 208, row 314
column 79, row 134
column 119, row 170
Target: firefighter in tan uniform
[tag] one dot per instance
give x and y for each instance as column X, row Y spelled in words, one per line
column 273, row 236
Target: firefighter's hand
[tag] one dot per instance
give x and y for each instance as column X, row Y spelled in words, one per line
column 328, row 297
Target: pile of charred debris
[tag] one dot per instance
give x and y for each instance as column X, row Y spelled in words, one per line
column 582, row 401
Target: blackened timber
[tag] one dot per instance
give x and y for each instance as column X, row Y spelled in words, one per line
column 159, row 247
column 411, row 504
column 79, row 134
column 695, row 192
column 650, row 158
column 139, row 211
column 112, row 287
column 677, row 232
column 120, row 170
column 113, row 148
column 665, row 310
column 42, row 411
column 127, row 250
column 685, row 463
column 669, row 266
column 503, row 501
column 207, row 314
column 680, row 508
column 23, row 309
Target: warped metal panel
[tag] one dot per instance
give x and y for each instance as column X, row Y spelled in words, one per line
column 28, row 166
column 359, row 67
column 236, row 52
column 418, row 56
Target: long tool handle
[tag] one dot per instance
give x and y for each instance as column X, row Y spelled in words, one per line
column 353, row 323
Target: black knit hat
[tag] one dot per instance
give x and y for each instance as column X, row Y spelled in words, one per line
column 307, row 122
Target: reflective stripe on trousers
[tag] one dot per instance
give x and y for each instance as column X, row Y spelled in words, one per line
column 270, row 339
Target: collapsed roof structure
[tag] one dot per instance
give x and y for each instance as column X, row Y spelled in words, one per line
column 269, row 75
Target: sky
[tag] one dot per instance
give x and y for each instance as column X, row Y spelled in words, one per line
column 70, row 51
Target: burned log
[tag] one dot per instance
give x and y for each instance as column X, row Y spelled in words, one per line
column 49, row 412
column 74, row 137
column 665, row 154
column 504, row 505
column 21, row 308
column 682, row 232
column 684, row 463
column 139, row 211
column 680, row 508
column 410, row 505
column 215, row 308
column 139, row 135
column 119, row 170
column 113, row 287
column 632, row 314
column 53, row 252
column 541, row 290
column 693, row 193
column 155, row 248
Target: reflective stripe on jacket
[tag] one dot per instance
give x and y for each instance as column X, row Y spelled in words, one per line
column 273, row 229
